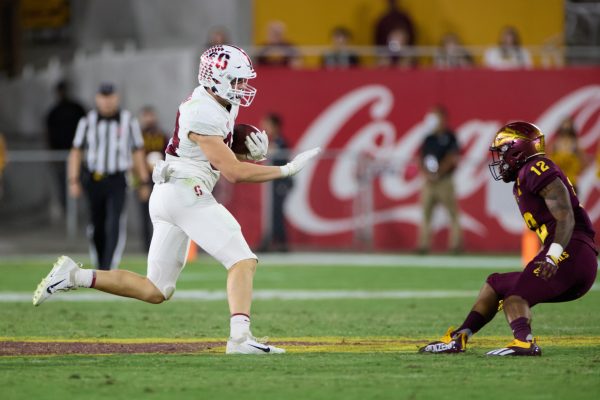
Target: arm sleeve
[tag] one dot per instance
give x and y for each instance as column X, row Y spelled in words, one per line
column 79, row 139
column 203, row 120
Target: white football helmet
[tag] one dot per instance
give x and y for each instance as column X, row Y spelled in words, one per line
column 222, row 69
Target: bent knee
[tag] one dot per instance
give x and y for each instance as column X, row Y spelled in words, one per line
column 156, row 296
column 503, row 283
column 249, row 264
column 492, row 278
column 514, row 299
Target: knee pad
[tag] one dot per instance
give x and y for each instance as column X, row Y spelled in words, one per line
column 164, row 277
column 168, row 292
column 164, row 288
column 503, row 283
column 491, row 279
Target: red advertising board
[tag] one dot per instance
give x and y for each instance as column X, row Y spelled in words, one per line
column 364, row 191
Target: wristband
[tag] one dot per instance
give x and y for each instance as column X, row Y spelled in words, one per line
column 285, row 171
column 555, row 251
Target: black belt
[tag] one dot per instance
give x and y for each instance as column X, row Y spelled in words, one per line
column 97, row 176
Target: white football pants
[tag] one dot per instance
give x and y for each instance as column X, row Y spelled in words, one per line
column 180, row 210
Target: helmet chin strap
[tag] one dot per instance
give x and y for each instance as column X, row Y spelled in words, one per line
column 510, row 175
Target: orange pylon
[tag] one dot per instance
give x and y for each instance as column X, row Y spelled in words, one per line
column 192, row 252
column 530, row 246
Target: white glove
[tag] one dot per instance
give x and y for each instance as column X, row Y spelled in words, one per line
column 258, row 145
column 161, row 172
column 299, row 162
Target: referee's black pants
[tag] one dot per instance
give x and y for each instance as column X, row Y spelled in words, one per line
column 106, row 195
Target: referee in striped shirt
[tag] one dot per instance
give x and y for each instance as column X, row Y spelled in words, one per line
column 108, row 143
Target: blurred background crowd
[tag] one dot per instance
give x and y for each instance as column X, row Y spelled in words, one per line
column 54, row 54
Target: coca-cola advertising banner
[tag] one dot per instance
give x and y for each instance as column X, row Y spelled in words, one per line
column 363, row 192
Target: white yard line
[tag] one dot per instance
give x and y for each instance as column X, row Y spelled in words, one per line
column 337, row 259
column 390, row 260
column 218, row 295
column 275, row 294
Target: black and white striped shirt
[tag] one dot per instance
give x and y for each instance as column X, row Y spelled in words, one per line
column 108, row 142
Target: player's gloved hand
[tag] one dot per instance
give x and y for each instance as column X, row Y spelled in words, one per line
column 547, row 268
column 161, row 172
column 299, row 162
column 258, row 145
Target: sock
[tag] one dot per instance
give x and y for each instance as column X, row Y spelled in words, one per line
column 521, row 329
column 472, row 324
column 85, row 278
column 240, row 325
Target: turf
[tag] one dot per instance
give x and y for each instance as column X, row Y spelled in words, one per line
column 567, row 369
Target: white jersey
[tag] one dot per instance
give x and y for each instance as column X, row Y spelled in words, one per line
column 201, row 114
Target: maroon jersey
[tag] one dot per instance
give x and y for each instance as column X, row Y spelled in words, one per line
column 535, row 175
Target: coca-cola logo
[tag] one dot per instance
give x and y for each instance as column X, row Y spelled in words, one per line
column 391, row 157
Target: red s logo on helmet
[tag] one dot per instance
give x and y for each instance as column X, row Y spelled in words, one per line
column 222, row 61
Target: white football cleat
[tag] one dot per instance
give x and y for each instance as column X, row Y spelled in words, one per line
column 60, row 279
column 251, row 345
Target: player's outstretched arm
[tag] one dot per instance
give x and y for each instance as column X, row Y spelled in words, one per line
column 224, row 160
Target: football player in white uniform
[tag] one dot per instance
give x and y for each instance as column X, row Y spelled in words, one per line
column 183, row 208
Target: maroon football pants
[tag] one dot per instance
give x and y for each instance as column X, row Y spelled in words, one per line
column 576, row 275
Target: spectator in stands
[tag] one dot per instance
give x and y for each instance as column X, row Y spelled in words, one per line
column 277, row 51
column 61, row 123
column 392, row 20
column 2, row 162
column 398, row 52
column 155, row 142
column 340, row 56
column 508, row 54
column 438, row 159
column 452, row 54
column 566, row 153
column 218, row 36
column 552, row 54
column 275, row 238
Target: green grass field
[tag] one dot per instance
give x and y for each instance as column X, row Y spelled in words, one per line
column 352, row 348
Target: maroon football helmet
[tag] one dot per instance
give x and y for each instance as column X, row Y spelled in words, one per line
column 513, row 145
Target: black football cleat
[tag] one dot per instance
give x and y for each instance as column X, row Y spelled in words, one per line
column 448, row 344
column 518, row 348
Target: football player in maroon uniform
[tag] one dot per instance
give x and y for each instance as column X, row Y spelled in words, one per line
column 564, row 269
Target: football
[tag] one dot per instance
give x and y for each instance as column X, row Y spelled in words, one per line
column 240, row 132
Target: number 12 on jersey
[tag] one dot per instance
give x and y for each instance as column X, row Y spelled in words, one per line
column 543, row 167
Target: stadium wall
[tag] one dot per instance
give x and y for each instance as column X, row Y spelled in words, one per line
column 364, row 191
